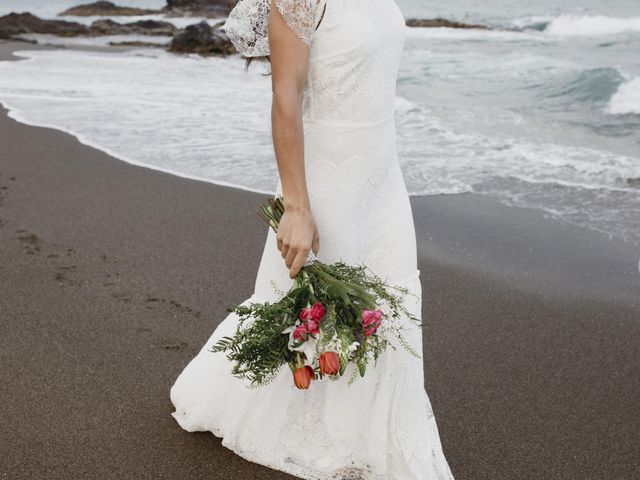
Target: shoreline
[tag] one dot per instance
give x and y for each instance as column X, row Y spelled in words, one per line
column 114, row 276
column 221, row 173
column 620, row 264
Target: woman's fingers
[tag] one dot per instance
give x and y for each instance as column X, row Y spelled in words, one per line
column 297, row 235
column 290, row 256
column 298, row 262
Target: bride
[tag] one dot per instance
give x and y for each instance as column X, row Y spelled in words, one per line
column 334, row 66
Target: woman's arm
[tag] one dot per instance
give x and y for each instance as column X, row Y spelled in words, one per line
column 289, row 55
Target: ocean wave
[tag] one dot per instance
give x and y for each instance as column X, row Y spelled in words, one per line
column 596, row 25
column 594, row 85
column 537, row 23
column 626, row 100
column 100, row 41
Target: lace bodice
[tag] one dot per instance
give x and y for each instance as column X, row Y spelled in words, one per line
column 354, row 61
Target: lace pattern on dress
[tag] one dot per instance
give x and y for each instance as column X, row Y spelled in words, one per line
column 247, row 25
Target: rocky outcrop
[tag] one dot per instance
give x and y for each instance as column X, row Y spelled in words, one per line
column 200, row 8
column 18, row 23
column 136, row 44
column 442, row 23
column 202, row 39
column 105, row 9
column 142, row 27
column 633, row 182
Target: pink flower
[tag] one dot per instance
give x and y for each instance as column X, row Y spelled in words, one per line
column 300, row 332
column 306, row 314
column 318, row 311
column 313, row 327
column 371, row 320
column 310, row 317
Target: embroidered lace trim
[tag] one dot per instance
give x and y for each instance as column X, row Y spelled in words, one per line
column 247, row 25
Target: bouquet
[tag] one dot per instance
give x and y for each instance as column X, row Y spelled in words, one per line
column 333, row 315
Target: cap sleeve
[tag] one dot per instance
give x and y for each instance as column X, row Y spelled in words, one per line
column 247, row 25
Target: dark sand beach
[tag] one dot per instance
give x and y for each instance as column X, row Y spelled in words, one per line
column 113, row 276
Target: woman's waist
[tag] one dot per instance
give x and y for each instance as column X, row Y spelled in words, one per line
column 357, row 132
column 348, row 123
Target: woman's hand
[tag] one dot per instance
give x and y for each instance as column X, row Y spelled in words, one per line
column 297, row 235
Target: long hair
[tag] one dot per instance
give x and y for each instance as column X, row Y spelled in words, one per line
column 264, row 60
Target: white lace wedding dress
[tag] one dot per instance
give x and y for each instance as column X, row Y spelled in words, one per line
column 381, row 427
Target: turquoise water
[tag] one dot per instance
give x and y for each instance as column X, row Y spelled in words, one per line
column 544, row 111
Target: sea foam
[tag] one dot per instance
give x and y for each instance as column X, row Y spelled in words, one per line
column 596, row 25
column 627, row 99
column 208, row 119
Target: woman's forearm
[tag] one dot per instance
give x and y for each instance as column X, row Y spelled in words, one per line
column 288, row 142
column 297, row 232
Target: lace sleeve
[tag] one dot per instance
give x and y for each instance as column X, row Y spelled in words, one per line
column 247, row 24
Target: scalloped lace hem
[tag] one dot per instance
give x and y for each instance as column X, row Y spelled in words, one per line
column 352, row 472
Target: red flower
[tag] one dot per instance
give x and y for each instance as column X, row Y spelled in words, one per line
column 302, row 377
column 306, row 314
column 315, row 312
column 371, row 320
column 301, row 332
column 311, row 317
column 313, row 327
column 318, row 311
column 329, row 363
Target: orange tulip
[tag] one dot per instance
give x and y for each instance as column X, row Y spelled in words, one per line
column 329, row 363
column 302, row 377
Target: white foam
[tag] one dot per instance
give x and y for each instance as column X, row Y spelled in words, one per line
column 596, row 25
column 437, row 158
column 103, row 40
column 626, row 100
column 206, row 118
column 476, row 34
column 152, row 108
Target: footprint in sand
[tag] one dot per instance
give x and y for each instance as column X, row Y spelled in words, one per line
column 33, row 245
column 62, row 274
column 30, row 241
column 172, row 304
column 124, row 297
column 175, row 346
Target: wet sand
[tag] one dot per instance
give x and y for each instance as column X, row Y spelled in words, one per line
column 113, row 276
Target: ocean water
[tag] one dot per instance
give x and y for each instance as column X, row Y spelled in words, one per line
column 543, row 111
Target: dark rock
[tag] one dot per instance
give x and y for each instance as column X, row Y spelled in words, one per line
column 142, row 27
column 442, row 23
column 18, row 23
column 105, row 8
column 203, row 40
column 633, row 182
column 136, row 44
column 201, row 8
